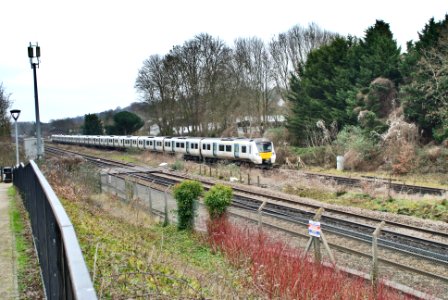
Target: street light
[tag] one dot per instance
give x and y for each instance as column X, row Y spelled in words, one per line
column 34, row 56
column 15, row 113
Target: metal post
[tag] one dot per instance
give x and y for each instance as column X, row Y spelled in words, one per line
column 17, row 147
column 314, row 240
column 166, row 221
column 260, row 215
column 36, row 107
column 374, row 276
column 149, row 201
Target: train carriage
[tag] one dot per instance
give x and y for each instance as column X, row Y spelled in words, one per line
column 192, row 148
column 148, row 143
column 103, row 141
column 169, row 144
column 257, row 151
column 158, row 141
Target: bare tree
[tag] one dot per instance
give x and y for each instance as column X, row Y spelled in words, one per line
column 254, row 68
column 154, row 83
column 5, row 125
column 289, row 50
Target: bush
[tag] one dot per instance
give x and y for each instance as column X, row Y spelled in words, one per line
column 311, row 155
column 280, row 271
column 217, row 199
column 186, row 194
column 359, row 148
column 178, row 165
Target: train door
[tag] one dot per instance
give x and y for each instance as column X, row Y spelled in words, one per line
column 215, row 148
column 237, row 150
column 187, row 145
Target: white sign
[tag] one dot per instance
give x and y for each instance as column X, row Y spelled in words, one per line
column 314, row 228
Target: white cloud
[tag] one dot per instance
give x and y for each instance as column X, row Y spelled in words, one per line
column 92, row 50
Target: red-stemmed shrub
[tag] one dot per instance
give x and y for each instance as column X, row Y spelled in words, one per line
column 280, row 271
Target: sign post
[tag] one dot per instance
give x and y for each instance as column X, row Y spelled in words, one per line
column 316, row 235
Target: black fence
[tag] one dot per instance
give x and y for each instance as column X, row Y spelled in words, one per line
column 63, row 269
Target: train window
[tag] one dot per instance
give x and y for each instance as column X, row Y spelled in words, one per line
column 177, row 145
column 147, row 143
column 204, row 146
column 228, row 148
column 182, row 145
column 208, row 146
column 150, row 143
column 221, row 148
column 264, row 147
column 243, row 149
column 140, row 142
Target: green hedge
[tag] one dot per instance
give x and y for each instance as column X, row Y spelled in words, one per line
column 186, row 194
column 217, row 199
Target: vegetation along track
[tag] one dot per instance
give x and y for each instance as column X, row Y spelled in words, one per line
column 416, row 241
column 395, row 186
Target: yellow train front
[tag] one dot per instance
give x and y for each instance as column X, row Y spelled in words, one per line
column 257, row 151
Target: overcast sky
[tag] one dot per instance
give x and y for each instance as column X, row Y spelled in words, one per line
column 92, row 49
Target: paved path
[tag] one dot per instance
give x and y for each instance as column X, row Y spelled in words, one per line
column 8, row 276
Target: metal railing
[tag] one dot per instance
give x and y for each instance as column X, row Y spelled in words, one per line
column 63, row 269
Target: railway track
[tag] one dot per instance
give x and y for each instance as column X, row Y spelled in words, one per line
column 333, row 220
column 422, row 243
column 397, row 187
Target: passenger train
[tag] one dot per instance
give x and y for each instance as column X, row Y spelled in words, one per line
column 258, row 151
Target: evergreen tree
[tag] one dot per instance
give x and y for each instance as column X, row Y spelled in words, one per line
column 379, row 55
column 321, row 92
column 92, row 125
column 424, row 95
column 125, row 123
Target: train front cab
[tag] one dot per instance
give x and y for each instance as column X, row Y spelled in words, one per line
column 264, row 152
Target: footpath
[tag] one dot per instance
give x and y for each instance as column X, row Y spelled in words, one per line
column 8, row 275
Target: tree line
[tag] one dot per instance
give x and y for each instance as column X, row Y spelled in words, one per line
column 316, row 78
column 352, row 81
column 204, row 87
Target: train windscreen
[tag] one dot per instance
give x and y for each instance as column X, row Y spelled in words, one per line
column 264, row 147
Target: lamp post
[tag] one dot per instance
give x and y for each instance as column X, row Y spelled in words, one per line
column 34, row 56
column 15, row 113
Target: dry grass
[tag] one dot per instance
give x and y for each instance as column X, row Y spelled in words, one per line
column 370, row 195
column 131, row 256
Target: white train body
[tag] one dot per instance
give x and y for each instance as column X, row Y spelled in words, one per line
column 257, row 151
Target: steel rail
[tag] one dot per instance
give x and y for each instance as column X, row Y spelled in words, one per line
column 398, row 187
column 242, row 193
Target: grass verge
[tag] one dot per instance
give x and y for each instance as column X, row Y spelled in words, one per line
column 28, row 274
column 130, row 255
